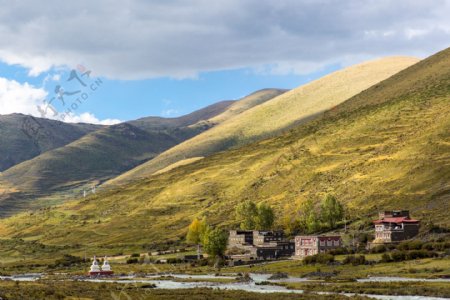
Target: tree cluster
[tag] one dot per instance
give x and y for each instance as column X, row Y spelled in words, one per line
column 213, row 240
column 311, row 219
column 255, row 217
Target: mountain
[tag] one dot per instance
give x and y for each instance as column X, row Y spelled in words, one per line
column 272, row 117
column 385, row 148
column 201, row 120
column 159, row 123
column 66, row 171
column 23, row 137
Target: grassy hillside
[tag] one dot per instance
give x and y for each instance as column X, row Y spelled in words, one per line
column 387, row 147
column 276, row 115
column 86, row 162
column 159, row 123
column 23, row 137
column 61, row 173
column 208, row 116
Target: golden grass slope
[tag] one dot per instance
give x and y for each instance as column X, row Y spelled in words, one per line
column 246, row 103
column 179, row 164
column 275, row 115
column 386, row 148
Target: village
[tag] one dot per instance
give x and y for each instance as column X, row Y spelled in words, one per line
column 246, row 247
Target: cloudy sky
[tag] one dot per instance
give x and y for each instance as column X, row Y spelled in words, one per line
column 120, row 60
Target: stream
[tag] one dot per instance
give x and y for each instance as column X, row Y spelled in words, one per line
column 253, row 286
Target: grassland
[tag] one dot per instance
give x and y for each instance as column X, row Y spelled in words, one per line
column 86, row 291
column 434, row 289
column 384, row 148
column 272, row 117
column 342, row 279
column 422, row 268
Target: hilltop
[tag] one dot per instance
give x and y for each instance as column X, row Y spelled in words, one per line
column 273, row 117
column 23, row 137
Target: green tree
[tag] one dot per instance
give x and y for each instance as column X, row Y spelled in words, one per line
column 312, row 222
column 196, row 232
column 215, row 242
column 331, row 211
column 246, row 213
column 291, row 219
column 265, row 217
column 306, row 209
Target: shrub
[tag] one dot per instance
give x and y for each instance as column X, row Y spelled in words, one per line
column 378, row 249
column 174, row 260
column 428, row 246
column 415, row 254
column 201, row 262
column 440, row 246
column 338, row 251
column 410, row 245
column 355, row 260
column 398, row 255
column 66, row 261
column 386, row 258
column 407, row 255
column 322, row 258
column 132, row 261
column 135, row 255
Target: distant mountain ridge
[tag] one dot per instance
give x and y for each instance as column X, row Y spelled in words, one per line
column 23, row 137
column 104, row 153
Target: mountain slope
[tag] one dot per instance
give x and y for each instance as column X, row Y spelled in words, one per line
column 103, row 154
column 189, row 125
column 23, row 137
column 97, row 155
column 387, row 147
column 160, row 123
column 276, row 115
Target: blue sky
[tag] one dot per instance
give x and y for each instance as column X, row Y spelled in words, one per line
column 167, row 97
column 168, row 58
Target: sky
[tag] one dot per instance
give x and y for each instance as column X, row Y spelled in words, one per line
column 110, row 61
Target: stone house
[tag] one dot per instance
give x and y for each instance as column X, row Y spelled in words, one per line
column 395, row 226
column 306, row 245
column 259, row 245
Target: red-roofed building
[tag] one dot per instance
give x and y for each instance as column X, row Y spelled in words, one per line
column 395, row 226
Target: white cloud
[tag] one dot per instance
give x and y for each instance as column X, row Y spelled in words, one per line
column 56, row 77
column 170, row 112
column 89, row 118
column 143, row 39
column 16, row 97
column 24, row 98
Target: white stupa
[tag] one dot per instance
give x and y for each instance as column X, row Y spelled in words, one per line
column 105, row 270
column 106, row 267
column 94, row 267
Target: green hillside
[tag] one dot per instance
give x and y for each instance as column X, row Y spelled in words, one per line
column 85, row 162
column 274, row 116
column 64, row 172
column 387, row 147
column 23, row 137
